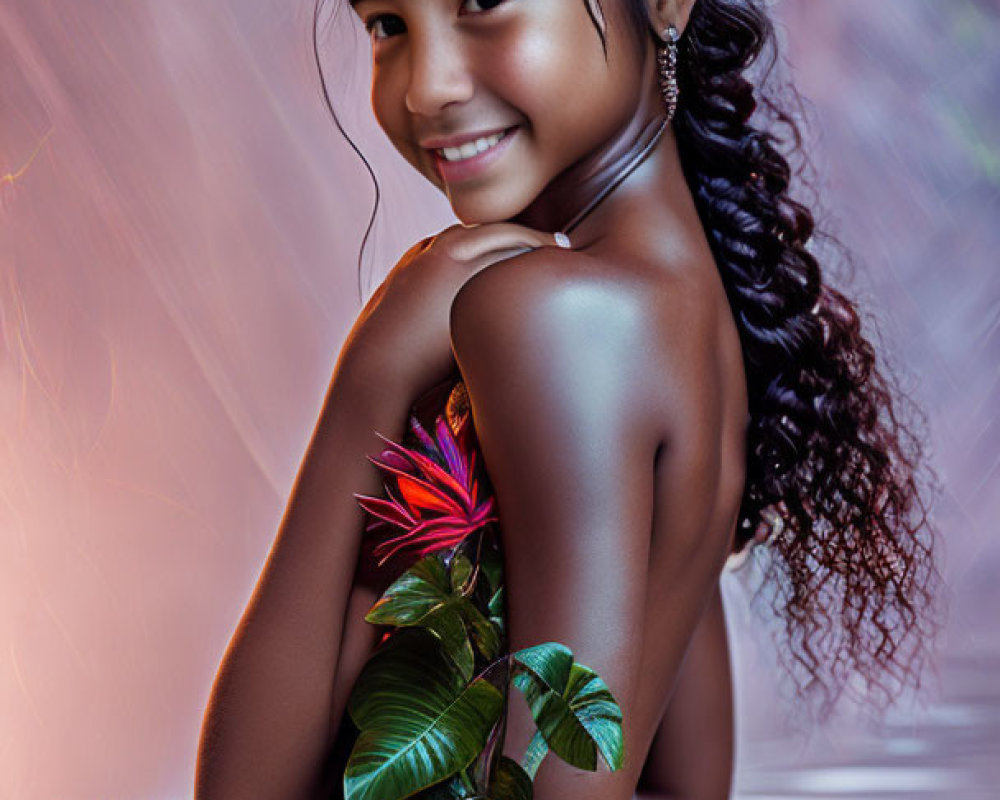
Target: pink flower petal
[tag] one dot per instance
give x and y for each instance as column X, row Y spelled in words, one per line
column 439, row 502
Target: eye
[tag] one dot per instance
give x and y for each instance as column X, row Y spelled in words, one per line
column 490, row 4
column 376, row 19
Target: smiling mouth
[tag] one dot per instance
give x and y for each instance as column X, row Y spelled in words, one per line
column 471, row 160
column 471, row 149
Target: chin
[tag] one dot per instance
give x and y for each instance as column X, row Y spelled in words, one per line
column 484, row 218
column 488, row 204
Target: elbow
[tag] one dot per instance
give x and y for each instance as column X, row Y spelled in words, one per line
column 227, row 769
column 217, row 777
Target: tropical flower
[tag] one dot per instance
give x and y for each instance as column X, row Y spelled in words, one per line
column 435, row 497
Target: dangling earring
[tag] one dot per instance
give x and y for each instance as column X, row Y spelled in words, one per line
column 666, row 57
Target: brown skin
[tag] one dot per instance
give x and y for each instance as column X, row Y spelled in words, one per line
column 282, row 685
column 607, row 391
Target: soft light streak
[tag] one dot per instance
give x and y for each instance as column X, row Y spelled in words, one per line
column 10, row 177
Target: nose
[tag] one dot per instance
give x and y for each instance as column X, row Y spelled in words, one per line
column 439, row 74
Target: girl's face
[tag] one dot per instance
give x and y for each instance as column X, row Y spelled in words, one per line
column 534, row 70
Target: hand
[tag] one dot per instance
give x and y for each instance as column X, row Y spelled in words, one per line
column 482, row 245
column 404, row 327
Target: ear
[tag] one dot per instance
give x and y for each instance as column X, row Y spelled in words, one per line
column 663, row 13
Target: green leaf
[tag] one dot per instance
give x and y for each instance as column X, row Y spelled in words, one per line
column 550, row 663
column 448, row 625
column 593, row 704
column 572, row 707
column 496, row 605
column 426, row 596
column 484, row 631
column 420, row 590
column 491, row 563
column 510, row 782
column 461, row 571
column 419, row 721
column 537, row 749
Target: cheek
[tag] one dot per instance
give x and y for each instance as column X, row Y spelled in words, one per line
column 570, row 94
column 535, row 69
column 386, row 105
column 389, row 107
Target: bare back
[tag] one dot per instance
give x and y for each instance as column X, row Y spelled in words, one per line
column 699, row 472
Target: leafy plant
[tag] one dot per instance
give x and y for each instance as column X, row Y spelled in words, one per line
column 576, row 715
column 430, row 702
column 420, row 721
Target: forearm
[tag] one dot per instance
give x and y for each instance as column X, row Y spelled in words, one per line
column 267, row 731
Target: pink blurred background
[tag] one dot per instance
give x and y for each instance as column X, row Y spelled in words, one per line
column 179, row 230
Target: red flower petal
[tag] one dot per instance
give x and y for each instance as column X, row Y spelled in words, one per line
column 439, row 501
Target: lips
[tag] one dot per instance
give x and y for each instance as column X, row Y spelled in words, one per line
column 452, row 172
column 459, row 139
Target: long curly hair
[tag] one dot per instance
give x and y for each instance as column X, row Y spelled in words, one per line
column 834, row 500
column 832, row 484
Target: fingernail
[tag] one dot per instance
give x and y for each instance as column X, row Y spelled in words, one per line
column 562, row 239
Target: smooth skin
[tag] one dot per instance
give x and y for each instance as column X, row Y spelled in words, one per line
column 607, row 391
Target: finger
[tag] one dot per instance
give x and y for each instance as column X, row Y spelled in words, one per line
column 478, row 242
column 474, row 243
column 496, row 256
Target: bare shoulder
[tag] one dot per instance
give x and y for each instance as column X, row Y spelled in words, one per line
column 647, row 328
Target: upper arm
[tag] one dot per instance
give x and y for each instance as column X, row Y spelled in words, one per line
column 266, row 728
column 693, row 751
column 554, row 374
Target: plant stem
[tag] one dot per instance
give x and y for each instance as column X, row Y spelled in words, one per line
column 467, row 781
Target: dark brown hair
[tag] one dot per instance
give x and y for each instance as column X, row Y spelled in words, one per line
column 834, row 465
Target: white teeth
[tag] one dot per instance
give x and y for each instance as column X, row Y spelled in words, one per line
column 470, row 149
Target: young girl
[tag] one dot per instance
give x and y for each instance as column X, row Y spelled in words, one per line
column 674, row 386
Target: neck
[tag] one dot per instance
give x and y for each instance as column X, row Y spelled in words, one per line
column 569, row 194
column 569, row 199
